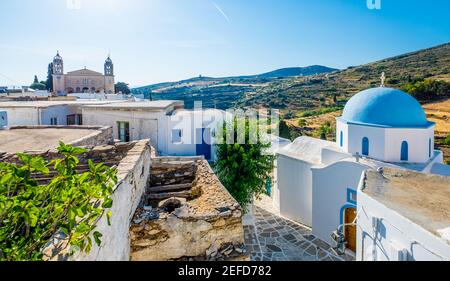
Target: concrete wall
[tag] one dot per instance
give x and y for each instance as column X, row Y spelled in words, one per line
column 295, row 189
column 382, row 233
column 330, row 195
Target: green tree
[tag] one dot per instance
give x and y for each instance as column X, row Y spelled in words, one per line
column 37, row 85
column 49, row 81
column 285, row 130
column 429, row 89
column 243, row 168
column 122, row 87
column 71, row 203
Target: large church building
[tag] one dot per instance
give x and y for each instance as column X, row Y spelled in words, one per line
column 83, row 80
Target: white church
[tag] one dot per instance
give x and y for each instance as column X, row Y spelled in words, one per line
column 318, row 180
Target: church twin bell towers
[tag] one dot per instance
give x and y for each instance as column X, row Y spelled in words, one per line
column 83, row 80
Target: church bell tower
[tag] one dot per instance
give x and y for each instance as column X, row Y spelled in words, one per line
column 109, row 76
column 58, row 75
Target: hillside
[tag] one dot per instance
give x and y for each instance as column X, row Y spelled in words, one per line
column 334, row 89
column 312, row 88
column 224, row 92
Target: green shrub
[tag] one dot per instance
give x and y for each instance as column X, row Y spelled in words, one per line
column 243, row 168
column 447, row 140
column 71, row 203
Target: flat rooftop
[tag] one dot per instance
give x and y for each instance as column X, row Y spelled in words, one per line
column 422, row 198
column 143, row 105
column 45, row 104
column 40, row 139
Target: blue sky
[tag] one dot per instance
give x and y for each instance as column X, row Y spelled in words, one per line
column 166, row 40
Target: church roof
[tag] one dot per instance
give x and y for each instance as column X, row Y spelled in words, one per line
column 307, row 149
column 84, row 72
column 385, row 107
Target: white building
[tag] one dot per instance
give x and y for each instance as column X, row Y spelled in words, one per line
column 171, row 129
column 63, row 113
column 403, row 216
column 318, row 180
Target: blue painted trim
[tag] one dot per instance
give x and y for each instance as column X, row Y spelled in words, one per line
column 349, row 195
column 429, row 125
column 346, row 206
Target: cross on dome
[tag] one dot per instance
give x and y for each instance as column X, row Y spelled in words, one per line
column 383, row 79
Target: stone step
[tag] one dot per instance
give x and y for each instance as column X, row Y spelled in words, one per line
column 169, row 188
column 161, row 196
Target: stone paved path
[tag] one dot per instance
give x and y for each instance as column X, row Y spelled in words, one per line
column 274, row 238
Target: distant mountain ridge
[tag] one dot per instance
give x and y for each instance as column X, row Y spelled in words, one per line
column 279, row 73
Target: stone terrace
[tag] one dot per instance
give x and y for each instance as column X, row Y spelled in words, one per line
column 186, row 214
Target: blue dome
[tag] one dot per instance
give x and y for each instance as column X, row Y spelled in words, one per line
column 385, row 107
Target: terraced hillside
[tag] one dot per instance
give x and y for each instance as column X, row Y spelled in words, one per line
column 318, row 88
column 329, row 90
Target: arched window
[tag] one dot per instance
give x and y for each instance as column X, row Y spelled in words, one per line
column 342, row 139
column 404, row 153
column 365, row 146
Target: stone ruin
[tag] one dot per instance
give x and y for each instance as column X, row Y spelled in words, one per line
column 186, row 214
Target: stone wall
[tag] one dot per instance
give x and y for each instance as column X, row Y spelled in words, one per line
column 203, row 223
column 133, row 174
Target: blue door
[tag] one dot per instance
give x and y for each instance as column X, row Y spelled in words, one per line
column 404, row 153
column 365, row 146
column 204, row 142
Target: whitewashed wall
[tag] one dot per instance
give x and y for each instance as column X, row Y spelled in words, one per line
column 329, row 195
column 394, row 233
column 133, row 173
column 418, row 141
column 295, row 189
column 143, row 124
column 21, row 116
column 385, row 143
column 189, row 121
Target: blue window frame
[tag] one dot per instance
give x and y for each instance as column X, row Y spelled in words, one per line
column 342, row 139
column 365, row 146
column 404, row 152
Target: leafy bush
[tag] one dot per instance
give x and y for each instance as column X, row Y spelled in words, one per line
column 243, row 168
column 71, row 203
column 426, row 90
column 320, row 111
column 447, row 140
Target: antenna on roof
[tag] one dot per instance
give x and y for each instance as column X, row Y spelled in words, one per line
column 383, row 79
